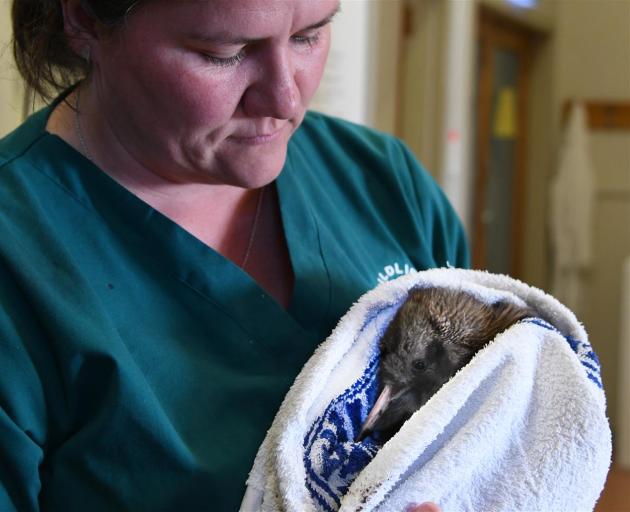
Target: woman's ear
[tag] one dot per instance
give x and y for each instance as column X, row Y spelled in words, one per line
column 80, row 27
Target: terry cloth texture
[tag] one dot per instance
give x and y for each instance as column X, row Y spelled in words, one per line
column 521, row 427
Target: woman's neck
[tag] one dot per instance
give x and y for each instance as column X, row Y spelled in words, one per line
column 221, row 216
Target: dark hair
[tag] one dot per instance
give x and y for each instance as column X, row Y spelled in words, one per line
column 40, row 47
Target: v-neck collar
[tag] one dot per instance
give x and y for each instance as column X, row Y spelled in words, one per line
column 195, row 264
column 310, row 302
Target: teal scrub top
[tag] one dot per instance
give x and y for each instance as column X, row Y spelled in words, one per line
column 139, row 369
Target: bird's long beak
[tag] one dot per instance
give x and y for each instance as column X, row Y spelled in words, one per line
column 379, row 406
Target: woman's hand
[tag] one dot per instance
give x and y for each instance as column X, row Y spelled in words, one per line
column 428, row 506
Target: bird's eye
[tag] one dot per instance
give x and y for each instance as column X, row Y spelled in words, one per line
column 418, row 365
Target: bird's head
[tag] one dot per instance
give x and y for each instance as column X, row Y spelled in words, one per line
column 435, row 332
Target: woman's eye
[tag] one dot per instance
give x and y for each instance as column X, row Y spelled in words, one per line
column 224, row 61
column 306, row 39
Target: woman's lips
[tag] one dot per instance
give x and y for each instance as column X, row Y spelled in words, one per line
column 257, row 139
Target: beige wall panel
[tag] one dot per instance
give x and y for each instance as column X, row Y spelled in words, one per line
column 540, row 161
column 594, row 48
column 421, row 113
column 611, row 160
column 610, row 153
column 11, row 88
column 385, row 29
column 611, row 245
column 592, row 61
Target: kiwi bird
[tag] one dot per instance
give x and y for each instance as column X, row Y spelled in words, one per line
column 434, row 333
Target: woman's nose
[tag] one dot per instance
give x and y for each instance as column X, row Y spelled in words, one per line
column 274, row 91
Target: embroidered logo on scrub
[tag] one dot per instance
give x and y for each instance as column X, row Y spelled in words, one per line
column 395, row 270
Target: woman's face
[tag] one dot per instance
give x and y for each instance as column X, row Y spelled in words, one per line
column 210, row 91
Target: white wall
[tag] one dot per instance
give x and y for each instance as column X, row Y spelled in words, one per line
column 460, row 75
column 344, row 90
column 360, row 82
column 11, row 89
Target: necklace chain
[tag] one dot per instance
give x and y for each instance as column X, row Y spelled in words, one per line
column 77, row 126
column 86, row 152
column 252, row 234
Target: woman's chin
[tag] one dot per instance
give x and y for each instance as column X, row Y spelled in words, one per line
column 255, row 172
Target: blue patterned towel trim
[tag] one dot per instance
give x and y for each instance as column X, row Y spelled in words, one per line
column 583, row 350
column 332, row 457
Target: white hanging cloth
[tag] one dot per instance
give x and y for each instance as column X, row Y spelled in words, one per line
column 572, row 204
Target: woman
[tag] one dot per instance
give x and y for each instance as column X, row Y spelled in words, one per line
column 163, row 280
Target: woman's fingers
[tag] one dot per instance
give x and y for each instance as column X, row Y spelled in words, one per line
column 428, row 506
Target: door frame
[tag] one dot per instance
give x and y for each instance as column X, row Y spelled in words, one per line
column 495, row 30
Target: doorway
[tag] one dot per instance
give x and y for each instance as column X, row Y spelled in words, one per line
column 505, row 54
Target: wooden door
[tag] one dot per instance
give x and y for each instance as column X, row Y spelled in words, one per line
column 504, row 57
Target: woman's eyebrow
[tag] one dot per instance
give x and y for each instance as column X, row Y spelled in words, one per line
column 325, row 21
column 225, row 38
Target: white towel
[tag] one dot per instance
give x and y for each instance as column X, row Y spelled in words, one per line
column 521, row 427
column 571, row 205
